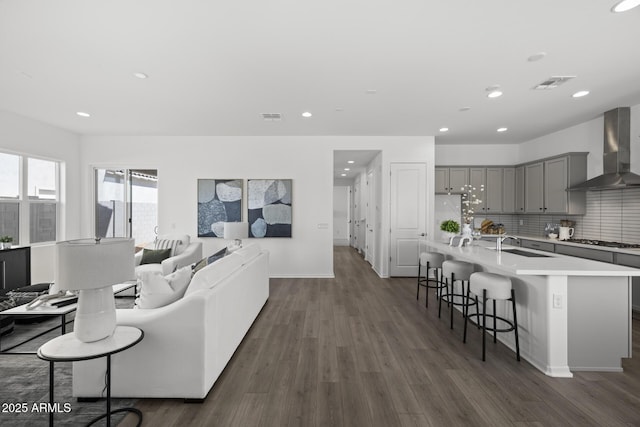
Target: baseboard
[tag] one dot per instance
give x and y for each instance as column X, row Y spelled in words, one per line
column 303, row 276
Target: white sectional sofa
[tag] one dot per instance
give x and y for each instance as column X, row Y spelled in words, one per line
column 188, row 343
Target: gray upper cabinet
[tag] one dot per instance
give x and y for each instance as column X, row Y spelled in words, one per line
column 534, row 188
column 441, row 181
column 560, row 174
column 519, row 190
column 508, row 190
column 450, row 180
column 555, row 185
column 538, row 187
column 493, row 192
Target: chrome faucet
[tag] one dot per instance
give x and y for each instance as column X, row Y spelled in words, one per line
column 499, row 241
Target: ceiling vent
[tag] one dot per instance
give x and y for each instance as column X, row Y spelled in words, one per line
column 553, row 82
column 271, row 117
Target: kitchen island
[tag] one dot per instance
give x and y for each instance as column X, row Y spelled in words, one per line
column 573, row 313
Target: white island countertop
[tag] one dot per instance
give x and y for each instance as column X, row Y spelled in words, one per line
column 573, row 313
column 484, row 253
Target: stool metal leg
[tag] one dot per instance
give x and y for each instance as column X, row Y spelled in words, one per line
column 495, row 323
column 484, row 323
column 426, row 299
column 419, row 278
column 450, row 297
column 515, row 323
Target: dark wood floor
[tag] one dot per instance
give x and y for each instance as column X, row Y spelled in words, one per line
column 361, row 351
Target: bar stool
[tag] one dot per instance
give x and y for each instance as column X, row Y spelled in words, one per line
column 456, row 271
column 495, row 287
column 431, row 261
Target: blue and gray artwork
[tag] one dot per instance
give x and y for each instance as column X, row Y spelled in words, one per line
column 269, row 211
column 219, row 201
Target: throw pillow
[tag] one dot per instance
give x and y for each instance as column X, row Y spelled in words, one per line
column 158, row 291
column 154, row 256
column 167, row 244
column 7, row 303
column 208, row 260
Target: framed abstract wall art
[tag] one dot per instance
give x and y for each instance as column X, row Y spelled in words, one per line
column 219, row 201
column 269, row 207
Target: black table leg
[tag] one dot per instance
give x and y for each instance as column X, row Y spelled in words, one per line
column 51, row 393
column 109, row 412
column 109, row 390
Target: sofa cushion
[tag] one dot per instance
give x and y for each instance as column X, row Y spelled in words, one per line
column 154, row 256
column 209, row 260
column 210, row 275
column 183, row 241
column 158, row 291
column 167, row 244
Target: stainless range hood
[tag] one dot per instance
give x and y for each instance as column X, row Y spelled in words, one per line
column 617, row 157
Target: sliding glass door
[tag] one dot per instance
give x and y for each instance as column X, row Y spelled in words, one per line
column 126, row 203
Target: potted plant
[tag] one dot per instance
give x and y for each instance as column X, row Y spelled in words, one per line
column 450, row 228
column 5, row 242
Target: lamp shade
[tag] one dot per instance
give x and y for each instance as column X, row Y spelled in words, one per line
column 94, row 264
column 91, row 266
column 236, row 230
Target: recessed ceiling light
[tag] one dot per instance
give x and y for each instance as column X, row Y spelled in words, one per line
column 350, row 162
column 537, row 56
column 372, row 91
column 83, row 114
column 494, row 94
column 347, row 169
column 343, row 174
column 580, row 94
column 140, row 75
column 501, row 129
column 444, row 129
column 624, row 5
column 306, row 114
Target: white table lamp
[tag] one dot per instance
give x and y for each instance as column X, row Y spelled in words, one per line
column 236, row 231
column 92, row 266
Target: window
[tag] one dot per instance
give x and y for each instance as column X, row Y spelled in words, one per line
column 28, row 198
column 43, row 197
column 9, row 196
column 126, row 203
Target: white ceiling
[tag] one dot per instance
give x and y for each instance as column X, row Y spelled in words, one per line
column 215, row 66
column 360, row 159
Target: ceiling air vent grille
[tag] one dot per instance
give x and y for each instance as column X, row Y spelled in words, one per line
column 271, row 117
column 552, row 82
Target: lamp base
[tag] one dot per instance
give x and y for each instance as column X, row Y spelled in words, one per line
column 96, row 314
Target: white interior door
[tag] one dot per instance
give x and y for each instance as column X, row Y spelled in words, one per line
column 371, row 220
column 408, row 216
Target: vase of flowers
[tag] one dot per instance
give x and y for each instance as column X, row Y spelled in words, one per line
column 470, row 201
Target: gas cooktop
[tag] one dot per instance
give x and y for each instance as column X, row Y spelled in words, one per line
column 605, row 243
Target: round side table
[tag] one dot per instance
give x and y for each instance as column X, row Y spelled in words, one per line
column 67, row 348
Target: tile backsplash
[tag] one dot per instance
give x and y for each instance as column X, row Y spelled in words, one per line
column 612, row 215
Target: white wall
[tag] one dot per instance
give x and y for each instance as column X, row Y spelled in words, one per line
column 584, row 137
column 24, row 136
column 470, row 154
column 180, row 161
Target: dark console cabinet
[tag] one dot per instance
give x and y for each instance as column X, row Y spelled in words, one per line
column 15, row 268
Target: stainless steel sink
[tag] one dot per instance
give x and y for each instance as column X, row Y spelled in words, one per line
column 525, row 253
